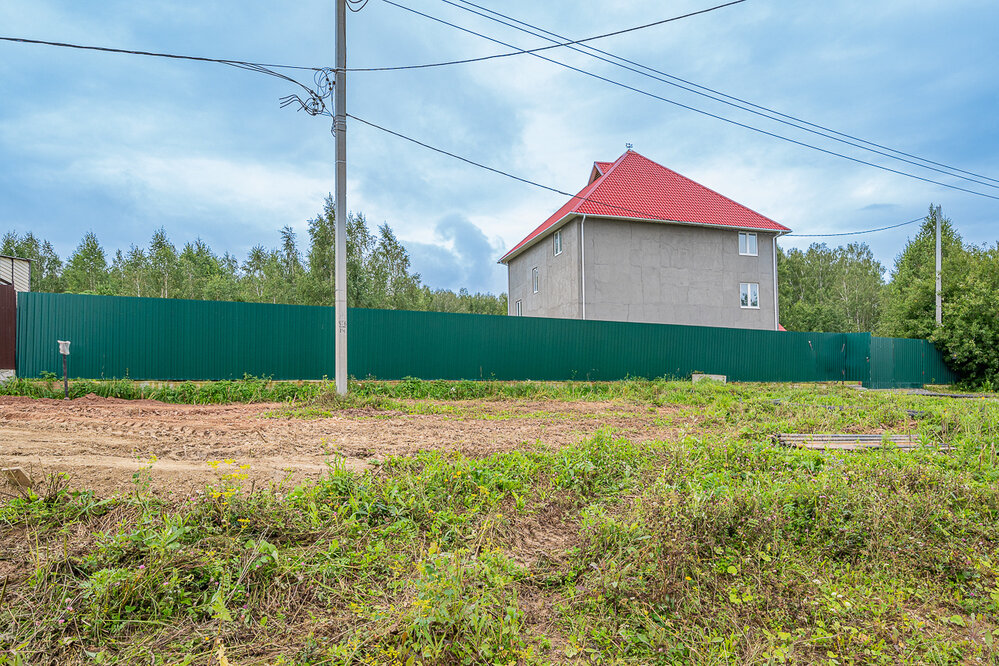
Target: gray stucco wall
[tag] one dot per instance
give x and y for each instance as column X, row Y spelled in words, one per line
column 647, row 272
column 675, row 274
column 558, row 295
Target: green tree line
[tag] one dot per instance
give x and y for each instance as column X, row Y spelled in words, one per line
column 377, row 262
column 845, row 289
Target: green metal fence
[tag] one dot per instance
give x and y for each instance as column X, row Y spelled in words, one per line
column 905, row 363
column 162, row 339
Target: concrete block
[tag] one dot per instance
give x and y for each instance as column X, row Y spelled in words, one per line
column 16, row 477
column 700, row 377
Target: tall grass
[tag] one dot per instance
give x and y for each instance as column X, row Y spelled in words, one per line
column 246, row 390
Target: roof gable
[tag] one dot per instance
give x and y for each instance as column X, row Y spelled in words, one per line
column 636, row 188
column 599, row 169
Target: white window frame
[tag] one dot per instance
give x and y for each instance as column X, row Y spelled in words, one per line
column 750, row 287
column 535, row 280
column 744, row 236
column 518, row 308
column 557, row 242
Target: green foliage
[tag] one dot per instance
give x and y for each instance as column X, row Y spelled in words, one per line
column 969, row 337
column 969, row 334
column 86, row 269
column 842, row 289
column 378, row 263
column 248, row 389
column 54, row 506
column 830, row 290
column 910, row 306
column 464, row 609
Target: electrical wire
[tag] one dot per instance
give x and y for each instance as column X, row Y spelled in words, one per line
column 153, row 54
column 543, row 48
column 579, row 196
column 700, row 111
column 729, row 100
column 489, row 168
column 313, row 103
column 324, row 88
column 743, row 101
column 858, row 233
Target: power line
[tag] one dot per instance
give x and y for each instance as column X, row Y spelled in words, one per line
column 318, row 109
column 577, row 196
column 858, row 233
column 324, row 88
column 543, row 48
column 741, row 104
column 700, row 111
column 313, row 103
column 493, row 169
column 153, row 54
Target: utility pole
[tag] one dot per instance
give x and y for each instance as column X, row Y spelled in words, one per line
column 939, row 270
column 340, row 248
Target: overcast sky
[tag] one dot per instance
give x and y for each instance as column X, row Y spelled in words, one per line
column 122, row 145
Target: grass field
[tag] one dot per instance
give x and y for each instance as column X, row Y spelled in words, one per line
column 710, row 545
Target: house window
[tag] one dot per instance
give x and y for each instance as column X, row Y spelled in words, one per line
column 557, row 240
column 749, row 295
column 519, row 308
column 747, row 244
column 535, row 282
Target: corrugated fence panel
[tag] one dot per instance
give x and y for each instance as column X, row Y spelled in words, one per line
column 151, row 338
column 395, row 344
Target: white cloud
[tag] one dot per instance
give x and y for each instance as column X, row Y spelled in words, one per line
column 267, row 195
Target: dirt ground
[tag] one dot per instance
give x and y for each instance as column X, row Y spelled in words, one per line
column 102, row 442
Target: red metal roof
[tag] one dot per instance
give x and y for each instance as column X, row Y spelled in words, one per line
column 636, row 188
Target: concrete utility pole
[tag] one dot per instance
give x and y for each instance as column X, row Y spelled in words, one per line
column 939, row 270
column 340, row 248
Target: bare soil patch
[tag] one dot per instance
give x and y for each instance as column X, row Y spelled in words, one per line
column 102, row 442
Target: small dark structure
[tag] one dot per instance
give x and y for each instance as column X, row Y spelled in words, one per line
column 15, row 276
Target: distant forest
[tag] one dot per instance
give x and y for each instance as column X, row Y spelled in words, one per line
column 378, row 265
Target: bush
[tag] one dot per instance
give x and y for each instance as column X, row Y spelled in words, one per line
column 969, row 337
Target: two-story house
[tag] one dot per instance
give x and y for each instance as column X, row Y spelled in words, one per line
column 642, row 243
